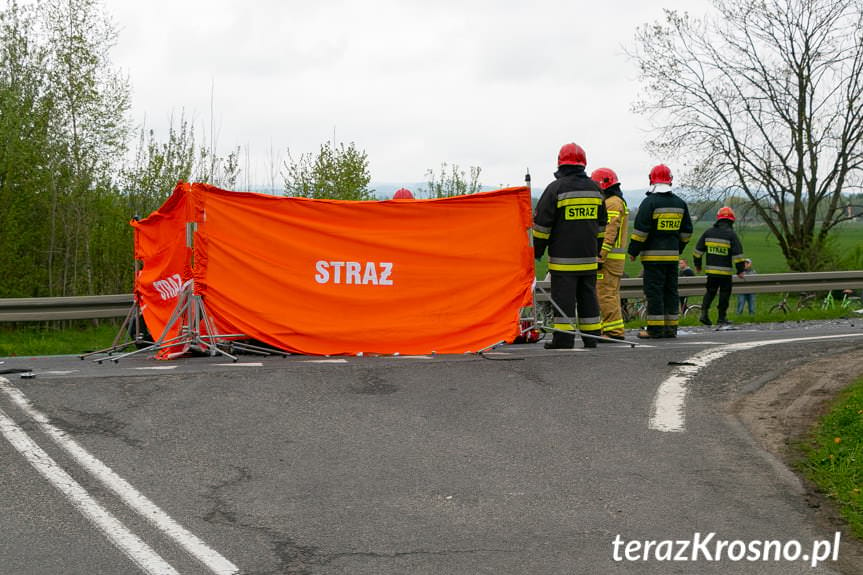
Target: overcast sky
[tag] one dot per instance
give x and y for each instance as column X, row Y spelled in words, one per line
column 495, row 84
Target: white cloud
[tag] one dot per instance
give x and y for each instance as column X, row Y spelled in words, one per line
column 500, row 85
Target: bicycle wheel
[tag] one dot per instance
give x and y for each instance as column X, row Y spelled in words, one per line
column 545, row 313
column 694, row 308
column 625, row 311
column 805, row 301
column 779, row 307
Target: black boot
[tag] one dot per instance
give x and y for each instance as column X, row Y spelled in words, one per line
column 560, row 341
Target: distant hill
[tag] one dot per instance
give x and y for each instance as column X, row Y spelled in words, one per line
column 385, row 191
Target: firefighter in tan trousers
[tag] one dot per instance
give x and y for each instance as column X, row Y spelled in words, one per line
column 612, row 255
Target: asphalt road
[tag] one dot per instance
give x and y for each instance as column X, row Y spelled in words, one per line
column 524, row 461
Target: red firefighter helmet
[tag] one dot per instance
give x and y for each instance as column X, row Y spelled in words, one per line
column 660, row 174
column 571, row 155
column 403, row 194
column 725, row 213
column 605, row 177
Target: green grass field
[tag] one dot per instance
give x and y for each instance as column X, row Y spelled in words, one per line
column 758, row 245
column 833, row 455
column 766, row 257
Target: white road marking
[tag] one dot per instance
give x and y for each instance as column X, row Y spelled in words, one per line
column 250, row 364
column 325, row 361
column 157, row 367
column 123, row 489
column 58, row 372
column 130, row 544
column 667, row 412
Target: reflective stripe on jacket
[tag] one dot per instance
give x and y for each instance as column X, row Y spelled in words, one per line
column 614, row 241
column 662, row 227
column 570, row 221
column 721, row 250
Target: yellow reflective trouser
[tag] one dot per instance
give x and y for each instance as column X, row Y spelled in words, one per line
column 608, row 293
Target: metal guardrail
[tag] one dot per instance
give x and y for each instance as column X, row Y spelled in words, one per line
column 108, row 306
column 62, row 308
column 753, row 283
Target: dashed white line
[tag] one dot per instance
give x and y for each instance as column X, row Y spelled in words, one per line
column 209, row 557
column 130, row 544
column 668, row 410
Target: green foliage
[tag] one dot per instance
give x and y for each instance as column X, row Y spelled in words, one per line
column 451, row 181
column 833, row 455
column 55, row 339
column 335, row 173
column 63, row 129
column 221, row 171
column 758, row 244
column 66, row 192
column 158, row 167
column 25, row 175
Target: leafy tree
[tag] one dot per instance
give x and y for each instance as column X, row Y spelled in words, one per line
column 221, row 171
column 65, row 194
column 63, row 130
column 765, row 101
column 451, row 181
column 89, row 130
column 336, row 173
column 25, row 116
column 157, row 167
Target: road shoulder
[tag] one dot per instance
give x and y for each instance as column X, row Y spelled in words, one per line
column 779, row 411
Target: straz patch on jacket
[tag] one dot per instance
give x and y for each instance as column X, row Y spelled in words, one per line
column 579, row 205
column 668, row 222
column 581, row 212
column 718, row 248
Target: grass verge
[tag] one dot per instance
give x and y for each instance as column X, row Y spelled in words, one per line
column 51, row 339
column 833, row 455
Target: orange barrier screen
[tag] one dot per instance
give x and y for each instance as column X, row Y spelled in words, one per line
column 160, row 243
column 335, row 277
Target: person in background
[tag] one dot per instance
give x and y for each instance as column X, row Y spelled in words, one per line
column 661, row 231
column 403, row 194
column 570, row 221
column 612, row 253
column 684, row 271
column 722, row 252
column 746, row 299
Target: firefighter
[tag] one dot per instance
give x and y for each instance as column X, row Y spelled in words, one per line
column 661, row 231
column 612, row 253
column 722, row 252
column 403, row 194
column 570, row 221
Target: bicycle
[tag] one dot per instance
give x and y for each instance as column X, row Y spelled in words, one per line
column 633, row 310
column 804, row 302
column 829, row 301
column 688, row 308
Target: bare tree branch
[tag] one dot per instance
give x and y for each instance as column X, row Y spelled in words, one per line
column 765, row 99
